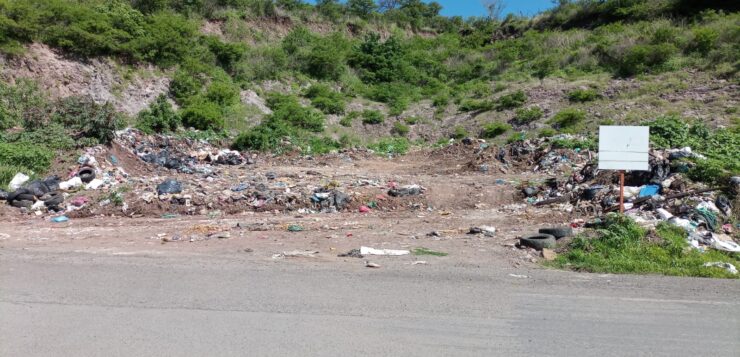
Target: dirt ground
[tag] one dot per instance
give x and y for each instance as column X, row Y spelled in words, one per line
column 456, row 199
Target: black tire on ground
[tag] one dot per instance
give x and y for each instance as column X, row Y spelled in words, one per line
column 538, row 241
column 24, row 197
column 557, row 232
column 52, row 199
column 86, row 174
column 13, row 195
column 22, row 203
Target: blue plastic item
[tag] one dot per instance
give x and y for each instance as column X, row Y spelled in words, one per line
column 60, row 219
column 649, row 190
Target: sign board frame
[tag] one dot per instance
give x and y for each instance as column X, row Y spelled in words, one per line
column 624, row 148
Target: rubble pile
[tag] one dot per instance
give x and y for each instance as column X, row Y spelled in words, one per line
column 181, row 154
column 184, row 176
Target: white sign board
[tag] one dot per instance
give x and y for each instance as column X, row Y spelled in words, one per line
column 624, row 148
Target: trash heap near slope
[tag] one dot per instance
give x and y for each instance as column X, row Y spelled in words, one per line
column 185, row 176
column 663, row 193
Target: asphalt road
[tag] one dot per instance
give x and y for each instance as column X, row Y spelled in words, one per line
column 76, row 304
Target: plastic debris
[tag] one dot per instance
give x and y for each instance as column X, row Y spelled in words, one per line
column 649, row 190
column 408, row 190
column 60, row 219
column 169, row 186
column 295, row 228
column 373, row 251
column 18, row 180
column 296, row 253
column 727, row 266
column 70, row 184
column 370, row 264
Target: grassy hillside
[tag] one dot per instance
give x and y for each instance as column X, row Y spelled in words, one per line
column 395, row 71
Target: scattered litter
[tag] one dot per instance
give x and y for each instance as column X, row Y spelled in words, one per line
column 296, row 253
column 371, row 265
column 727, row 266
column 409, row 190
column 373, row 251
column 169, row 186
column 60, row 219
column 295, row 228
column 354, row 253
column 519, row 276
column 18, row 180
column 487, row 231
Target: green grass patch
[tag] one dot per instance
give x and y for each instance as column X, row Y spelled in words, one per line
column 623, row 247
column 426, row 251
column 390, row 146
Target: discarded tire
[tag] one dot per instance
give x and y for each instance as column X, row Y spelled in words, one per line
column 557, row 232
column 538, row 241
column 21, row 203
column 52, row 199
column 86, row 174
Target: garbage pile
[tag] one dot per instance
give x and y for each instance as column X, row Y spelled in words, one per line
column 661, row 194
column 181, row 154
column 50, row 193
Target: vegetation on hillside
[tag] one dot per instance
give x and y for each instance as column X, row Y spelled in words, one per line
column 393, row 52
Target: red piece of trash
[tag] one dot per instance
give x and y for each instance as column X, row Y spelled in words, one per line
column 364, row 209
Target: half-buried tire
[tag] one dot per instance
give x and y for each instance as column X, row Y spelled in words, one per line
column 538, row 241
column 558, row 232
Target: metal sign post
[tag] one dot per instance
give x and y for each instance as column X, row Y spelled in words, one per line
column 624, row 148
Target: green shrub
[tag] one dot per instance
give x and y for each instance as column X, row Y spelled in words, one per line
column 568, row 119
column 184, row 85
column 511, row 101
column 494, row 129
column 372, row 117
column 377, row 61
column 644, row 58
column 459, row 132
column 325, row 99
column 704, row 39
column 328, row 105
column 547, row 132
column 203, row 115
column 476, row 105
column 85, row 118
column 669, row 132
column 349, row 118
column 441, row 101
column 514, row 137
column 22, row 102
column 583, row 95
column 527, row 115
column 390, row 146
column 223, row 94
column 53, row 136
column 264, row 137
column 710, row 171
column 400, row 129
column 412, row 120
column 159, row 117
column 33, row 157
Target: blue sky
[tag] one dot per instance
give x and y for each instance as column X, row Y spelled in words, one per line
column 475, row 7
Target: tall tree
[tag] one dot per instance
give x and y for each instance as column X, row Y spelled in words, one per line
column 361, row 8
